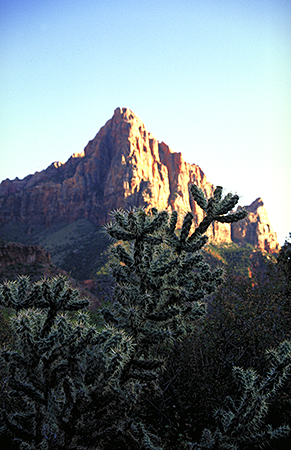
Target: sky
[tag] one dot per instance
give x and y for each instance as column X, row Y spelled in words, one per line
column 210, row 78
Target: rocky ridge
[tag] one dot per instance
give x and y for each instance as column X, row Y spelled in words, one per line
column 124, row 165
column 256, row 229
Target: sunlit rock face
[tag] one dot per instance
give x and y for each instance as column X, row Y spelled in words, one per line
column 123, row 166
column 256, row 229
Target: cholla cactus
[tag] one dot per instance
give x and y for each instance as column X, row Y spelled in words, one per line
column 161, row 279
column 62, row 377
column 216, row 208
column 241, row 423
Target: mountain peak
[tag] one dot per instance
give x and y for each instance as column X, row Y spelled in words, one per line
column 256, row 228
column 124, row 165
column 255, row 205
column 125, row 113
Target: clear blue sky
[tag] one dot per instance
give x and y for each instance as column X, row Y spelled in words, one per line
column 210, row 78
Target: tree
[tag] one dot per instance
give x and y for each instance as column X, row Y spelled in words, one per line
column 284, row 265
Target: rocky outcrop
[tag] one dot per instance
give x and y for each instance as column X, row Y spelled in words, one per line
column 32, row 260
column 14, row 253
column 123, row 165
column 256, row 229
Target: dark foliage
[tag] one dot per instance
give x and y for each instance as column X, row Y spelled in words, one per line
column 246, row 317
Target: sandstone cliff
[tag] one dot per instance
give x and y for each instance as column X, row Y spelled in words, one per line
column 256, row 229
column 123, row 165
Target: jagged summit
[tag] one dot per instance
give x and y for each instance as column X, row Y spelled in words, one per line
column 256, row 204
column 256, row 228
column 123, row 165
